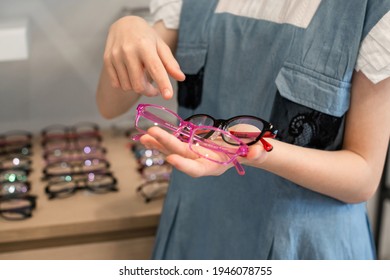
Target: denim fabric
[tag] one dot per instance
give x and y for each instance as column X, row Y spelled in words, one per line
column 300, row 80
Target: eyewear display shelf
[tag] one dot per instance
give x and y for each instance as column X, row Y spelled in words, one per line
column 116, row 225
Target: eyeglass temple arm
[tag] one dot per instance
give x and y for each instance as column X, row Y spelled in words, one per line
column 240, row 169
column 268, row 134
column 241, row 134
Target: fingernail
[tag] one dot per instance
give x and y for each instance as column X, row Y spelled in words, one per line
column 167, row 93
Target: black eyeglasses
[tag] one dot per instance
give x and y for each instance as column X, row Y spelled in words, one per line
column 12, row 188
column 16, row 162
column 67, row 185
column 139, row 151
column 84, row 152
column 17, row 207
column 51, row 144
column 75, row 167
column 84, row 129
column 16, row 142
column 15, row 137
column 249, row 129
column 13, row 175
column 156, row 172
column 147, row 161
column 154, row 189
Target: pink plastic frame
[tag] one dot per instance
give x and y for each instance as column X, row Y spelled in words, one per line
column 185, row 131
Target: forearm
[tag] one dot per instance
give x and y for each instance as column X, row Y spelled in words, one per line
column 111, row 101
column 353, row 173
column 343, row 175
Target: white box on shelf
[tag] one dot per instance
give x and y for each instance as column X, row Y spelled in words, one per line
column 14, row 39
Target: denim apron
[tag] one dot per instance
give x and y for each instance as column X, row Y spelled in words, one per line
column 297, row 78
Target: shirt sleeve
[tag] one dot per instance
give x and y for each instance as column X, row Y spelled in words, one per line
column 374, row 54
column 166, row 10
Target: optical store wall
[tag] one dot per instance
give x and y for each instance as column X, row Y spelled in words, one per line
column 55, row 84
column 58, row 80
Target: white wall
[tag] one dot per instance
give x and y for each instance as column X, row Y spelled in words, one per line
column 57, row 83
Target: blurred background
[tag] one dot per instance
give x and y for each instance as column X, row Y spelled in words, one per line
column 56, row 83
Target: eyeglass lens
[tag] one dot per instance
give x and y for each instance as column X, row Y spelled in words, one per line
column 156, row 116
column 246, row 128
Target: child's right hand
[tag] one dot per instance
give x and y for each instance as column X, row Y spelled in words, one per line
column 135, row 55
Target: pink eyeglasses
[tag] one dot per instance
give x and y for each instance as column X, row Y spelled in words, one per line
column 214, row 148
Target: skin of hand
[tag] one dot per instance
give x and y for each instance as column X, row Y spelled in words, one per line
column 180, row 155
column 135, row 55
column 351, row 175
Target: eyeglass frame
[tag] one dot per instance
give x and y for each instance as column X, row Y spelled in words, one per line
column 154, row 172
column 27, row 166
column 26, row 211
column 16, row 146
column 15, row 133
column 71, row 158
column 187, row 129
column 70, row 131
column 51, row 194
column 5, row 184
column 20, row 175
column 74, row 167
column 147, row 198
column 267, row 132
column 66, row 154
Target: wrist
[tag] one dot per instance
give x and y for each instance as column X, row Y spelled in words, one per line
column 256, row 157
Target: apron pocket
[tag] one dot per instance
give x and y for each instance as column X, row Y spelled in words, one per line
column 192, row 63
column 309, row 107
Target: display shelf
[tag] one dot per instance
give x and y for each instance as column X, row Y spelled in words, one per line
column 84, row 217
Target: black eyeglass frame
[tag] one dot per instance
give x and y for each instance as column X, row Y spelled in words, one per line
column 20, row 175
column 24, row 211
column 15, row 133
column 269, row 131
column 71, row 153
column 7, row 184
column 81, row 184
column 71, row 131
column 26, row 160
column 47, row 174
column 147, row 198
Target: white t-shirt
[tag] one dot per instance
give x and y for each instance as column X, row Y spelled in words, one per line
column 374, row 54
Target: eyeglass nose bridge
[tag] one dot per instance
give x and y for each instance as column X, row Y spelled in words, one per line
column 243, row 150
column 214, row 135
column 183, row 132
